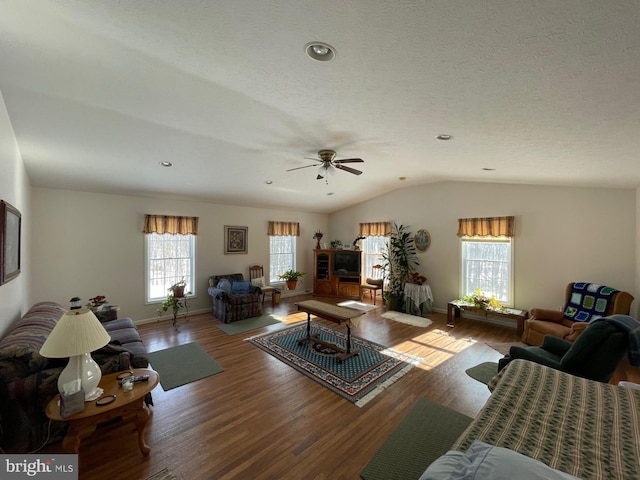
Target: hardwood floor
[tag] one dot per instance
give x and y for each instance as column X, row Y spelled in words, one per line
column 260, row 419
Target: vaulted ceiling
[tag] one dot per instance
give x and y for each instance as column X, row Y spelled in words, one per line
column 100, row 92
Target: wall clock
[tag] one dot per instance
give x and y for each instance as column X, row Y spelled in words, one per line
column 422, row 240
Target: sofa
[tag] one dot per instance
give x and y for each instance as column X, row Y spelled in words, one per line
column 28, row 381
column 233, row 298
column 547, row 424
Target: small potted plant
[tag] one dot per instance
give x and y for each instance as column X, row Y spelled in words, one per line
column 291, row 277
column 174, row 300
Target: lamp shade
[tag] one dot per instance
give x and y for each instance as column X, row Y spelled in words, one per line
column 77, row 332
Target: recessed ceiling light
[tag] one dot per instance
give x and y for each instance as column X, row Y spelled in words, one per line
column 268, row 182
column 488, row 169
column 322, row 52
column 330, row 193
column 166, row 164
column 402, row 179
column 444, row 136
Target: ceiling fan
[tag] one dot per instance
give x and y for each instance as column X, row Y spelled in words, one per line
column 328, row 165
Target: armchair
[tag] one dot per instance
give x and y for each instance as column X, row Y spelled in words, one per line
column 569, row 323
column 595, row 354
column 233, row 298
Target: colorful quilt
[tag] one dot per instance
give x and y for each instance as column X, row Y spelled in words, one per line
column 588, row 301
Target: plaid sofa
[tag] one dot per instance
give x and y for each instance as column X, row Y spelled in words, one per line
column 231, row 307
column 28, row 381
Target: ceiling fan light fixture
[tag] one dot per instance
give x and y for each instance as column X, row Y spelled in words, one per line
column 320, row 51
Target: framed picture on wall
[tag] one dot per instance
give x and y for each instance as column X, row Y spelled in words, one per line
column 235, row 239
column 10, row 224
column 422, row 240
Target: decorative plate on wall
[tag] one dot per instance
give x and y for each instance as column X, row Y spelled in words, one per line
column 422, row 240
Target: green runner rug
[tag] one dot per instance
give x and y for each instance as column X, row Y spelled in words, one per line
column 424, row 434
column 483, row 372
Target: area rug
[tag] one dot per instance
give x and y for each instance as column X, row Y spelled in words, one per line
column 358, row 379
column 503, row 347
column 248, row 324
column 183, row 364
column 426, row 432
column 408, row 319
column 483, row 372
column 163, row 474
column 365, row 307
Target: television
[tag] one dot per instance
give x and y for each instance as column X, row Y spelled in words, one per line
column 346, row 263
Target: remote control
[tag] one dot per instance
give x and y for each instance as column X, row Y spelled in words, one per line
column 141, row 378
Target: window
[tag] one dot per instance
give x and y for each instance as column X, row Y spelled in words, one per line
column 373, row 247
column 282, row 255
column 170, row 258
column 487, row 264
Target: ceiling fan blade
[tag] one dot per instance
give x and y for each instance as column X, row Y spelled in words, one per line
column 349, row 160
column 349, row 169
column 298, row 168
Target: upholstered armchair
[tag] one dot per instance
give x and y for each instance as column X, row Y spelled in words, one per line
column 233, row 298
column 570, row 322
column 595, row 354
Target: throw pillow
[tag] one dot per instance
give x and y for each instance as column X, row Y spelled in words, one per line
column 224, row 285
column 482, row 460
column 258, row 282
column 241, row 287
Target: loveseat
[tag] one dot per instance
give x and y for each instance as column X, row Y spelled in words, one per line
column 29, row 381
column 233, row 298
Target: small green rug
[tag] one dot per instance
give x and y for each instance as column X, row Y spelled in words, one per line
column 183, row 364
column 247, row 324
column 483, row 372
column 424, row 434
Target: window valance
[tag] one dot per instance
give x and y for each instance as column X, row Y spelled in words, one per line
column 486, row 227
column 377, row 229
column 282, row 229
column 170, row 224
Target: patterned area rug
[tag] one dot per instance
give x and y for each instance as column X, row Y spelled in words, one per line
column 358, row 379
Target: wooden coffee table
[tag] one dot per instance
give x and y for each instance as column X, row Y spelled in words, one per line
column 128, row 405
column 335, row 314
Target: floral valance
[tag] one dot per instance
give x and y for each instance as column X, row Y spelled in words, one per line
column 375, row 229
column 170, row 224
column 486, row 227
column 282, row 229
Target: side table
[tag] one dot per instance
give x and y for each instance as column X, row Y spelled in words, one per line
column 417, row 299
column 128, row 405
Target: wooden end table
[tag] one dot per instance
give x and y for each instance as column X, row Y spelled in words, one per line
column 454, row 309
column 128, row 405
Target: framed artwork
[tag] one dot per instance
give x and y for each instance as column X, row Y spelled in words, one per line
column 422, row 240
column 11, row 222
column 235, row 239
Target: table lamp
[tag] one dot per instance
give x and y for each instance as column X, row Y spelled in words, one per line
column 76, row 335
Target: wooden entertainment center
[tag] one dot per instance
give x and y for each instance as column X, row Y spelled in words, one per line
column 337, row 273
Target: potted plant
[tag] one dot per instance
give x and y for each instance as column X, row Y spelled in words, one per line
column 399, row 260
column 291, row 277
column 174, row 300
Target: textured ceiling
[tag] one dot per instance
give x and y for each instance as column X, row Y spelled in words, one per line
column 99, row 92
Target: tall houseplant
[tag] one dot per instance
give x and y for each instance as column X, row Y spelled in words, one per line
column 398, row 261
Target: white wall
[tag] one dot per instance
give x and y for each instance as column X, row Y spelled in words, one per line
column 14, row 189
column 89, row 244
column 562, row 234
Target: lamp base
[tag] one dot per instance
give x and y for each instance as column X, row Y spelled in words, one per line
column 85, row 368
